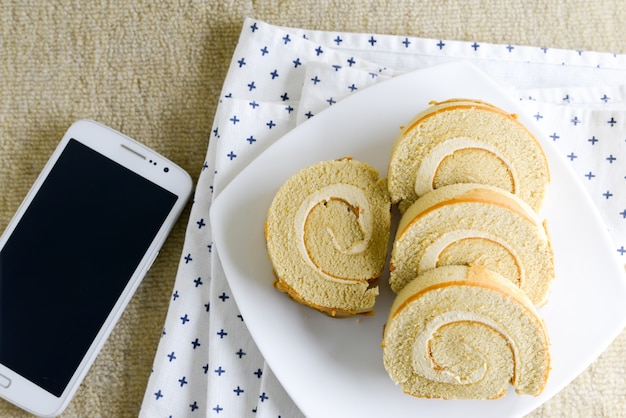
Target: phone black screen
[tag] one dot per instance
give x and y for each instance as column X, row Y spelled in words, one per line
column 69, row 259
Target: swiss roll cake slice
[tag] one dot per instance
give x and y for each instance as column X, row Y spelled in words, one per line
column 474, row 223
column 466, row 141
column 464, row 332
column 327, row 234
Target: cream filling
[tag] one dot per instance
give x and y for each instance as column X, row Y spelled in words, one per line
column 424, row 365
column 353, row 196
column 427, row 170
column 430, row 257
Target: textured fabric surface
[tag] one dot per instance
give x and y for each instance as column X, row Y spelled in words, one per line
column 155, row 73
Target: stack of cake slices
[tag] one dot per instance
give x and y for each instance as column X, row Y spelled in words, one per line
column 471, row 259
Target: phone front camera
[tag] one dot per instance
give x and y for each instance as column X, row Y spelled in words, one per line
column 166, row 169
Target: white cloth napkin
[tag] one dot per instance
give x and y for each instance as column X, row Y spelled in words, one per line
column 207, row 363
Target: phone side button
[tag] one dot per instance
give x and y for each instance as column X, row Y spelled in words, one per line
column 5, row 382
column 152, row 261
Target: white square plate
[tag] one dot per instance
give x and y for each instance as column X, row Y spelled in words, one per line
column 333, row 367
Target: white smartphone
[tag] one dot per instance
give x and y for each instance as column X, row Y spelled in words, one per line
column 74, row 254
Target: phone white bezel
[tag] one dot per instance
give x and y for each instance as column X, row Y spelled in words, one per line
column 150, row 165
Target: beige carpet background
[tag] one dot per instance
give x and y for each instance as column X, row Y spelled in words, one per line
column 154, row 71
